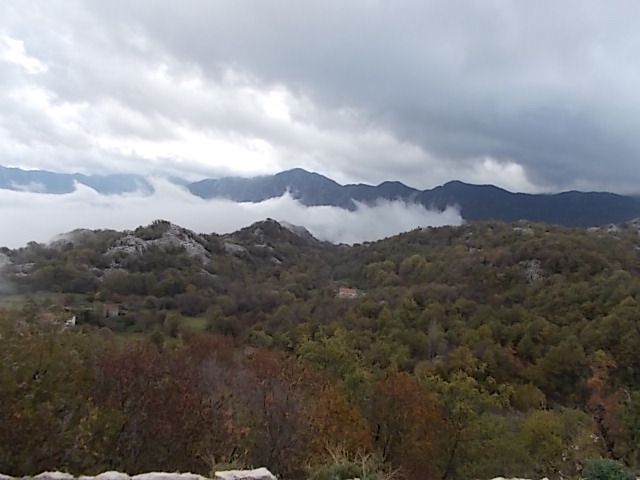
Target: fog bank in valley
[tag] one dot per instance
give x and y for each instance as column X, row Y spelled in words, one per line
column 29, row 216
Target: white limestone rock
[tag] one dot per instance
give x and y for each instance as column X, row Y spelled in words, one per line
column 173, row 237
column 110, row 475
column 235, row 249
column 53, row 476
column 128, row 245
column 256, row 474
column 168, row 476
column 299, row 231
column 503, row 478
column 533, row 270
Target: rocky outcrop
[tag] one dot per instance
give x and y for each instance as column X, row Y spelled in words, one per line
column 300, row 231
column 272, row 232
column 128, row 245
column 173, row 237
column 533, row 271
column 235, row 249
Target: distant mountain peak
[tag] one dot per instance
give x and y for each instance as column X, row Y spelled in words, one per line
column 455, row 183
column 302, row 175
column 393, row 183
column 296, row 171
column 458, row 184
column 43, row 181
column 475, row 202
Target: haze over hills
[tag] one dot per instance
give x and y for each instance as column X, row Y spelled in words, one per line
column 44, row 181
column 311, row 189
column 476, row 202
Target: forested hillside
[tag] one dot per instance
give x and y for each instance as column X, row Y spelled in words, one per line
column 448, row 353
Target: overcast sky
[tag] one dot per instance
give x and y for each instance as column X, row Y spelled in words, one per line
column 529, row 95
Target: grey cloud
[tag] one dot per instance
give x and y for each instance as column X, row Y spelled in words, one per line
column 537, row 83
column 421, row 91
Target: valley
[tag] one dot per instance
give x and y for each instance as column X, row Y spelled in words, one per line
column 489, row 338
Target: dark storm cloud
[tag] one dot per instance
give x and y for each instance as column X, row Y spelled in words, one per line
column 528, row 95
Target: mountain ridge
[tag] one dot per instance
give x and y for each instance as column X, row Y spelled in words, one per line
column 44, row 181
column 475, row 202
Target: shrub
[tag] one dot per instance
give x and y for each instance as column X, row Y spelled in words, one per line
column 605, row 469
column 337, row 471
column 343, row 467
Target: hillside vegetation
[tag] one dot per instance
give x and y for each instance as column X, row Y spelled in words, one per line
column 450, row 353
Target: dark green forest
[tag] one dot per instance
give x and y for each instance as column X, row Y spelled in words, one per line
column 484, row 350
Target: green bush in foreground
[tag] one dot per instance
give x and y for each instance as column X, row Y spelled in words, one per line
column 606, row 470
column 338, row 471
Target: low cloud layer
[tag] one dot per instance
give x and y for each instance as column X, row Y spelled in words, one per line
column 28, row 216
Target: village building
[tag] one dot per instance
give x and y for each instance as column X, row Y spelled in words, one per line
column 348, row 293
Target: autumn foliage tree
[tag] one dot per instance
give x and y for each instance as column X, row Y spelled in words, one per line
column 407, row 426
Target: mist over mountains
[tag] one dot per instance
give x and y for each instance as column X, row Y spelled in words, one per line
column 475, row 202
column 43, row 181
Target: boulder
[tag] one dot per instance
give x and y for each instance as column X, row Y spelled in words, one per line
column 256, row 474
column 110, row 475
column 53, row 476
column 167, row 476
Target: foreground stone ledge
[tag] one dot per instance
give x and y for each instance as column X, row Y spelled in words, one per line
column 256, row 474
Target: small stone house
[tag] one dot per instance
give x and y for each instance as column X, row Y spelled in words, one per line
column 345, row 292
